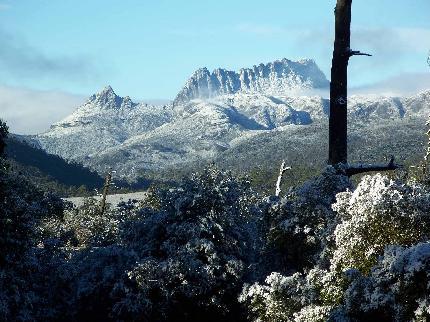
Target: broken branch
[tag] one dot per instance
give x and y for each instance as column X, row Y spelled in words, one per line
column 352, row 170
column 357, row 53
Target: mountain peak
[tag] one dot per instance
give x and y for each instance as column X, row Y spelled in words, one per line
column 107, row 90
column 279, row 78
column 107, row 99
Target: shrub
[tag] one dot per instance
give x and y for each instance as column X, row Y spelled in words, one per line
column 300, row 225
column 380, row 212
column 396, row 289
column 194, row 251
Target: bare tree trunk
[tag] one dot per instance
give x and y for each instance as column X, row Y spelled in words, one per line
column 105, row 192
column 338, row 149
column 338, row 86
column 279, row 181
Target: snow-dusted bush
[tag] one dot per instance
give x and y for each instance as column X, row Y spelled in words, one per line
column 298, row 297
column 85, row 226
column 299, row 238
column 396, row 289
column 181, row 255
column 380, row 212
column 194, row 251
column 276, row 300
column 300, row 225
column 84, row 287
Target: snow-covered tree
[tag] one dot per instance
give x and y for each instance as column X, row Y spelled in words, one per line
column 380, row 215
column 182, row 254
column 396, row 289
column 299, row 242
column 194, row 251
column 85, row 226
column 300, row 226
column 380, row 212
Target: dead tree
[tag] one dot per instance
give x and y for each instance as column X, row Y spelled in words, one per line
column 338, row 148
column 105, row 192
column 279, row 181
column 4, row 130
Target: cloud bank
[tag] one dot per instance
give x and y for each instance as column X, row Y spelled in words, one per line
column 19, row 59
column 406, row 84
column 30, row 112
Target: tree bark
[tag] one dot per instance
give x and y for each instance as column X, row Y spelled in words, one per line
column 338, row 86
column 338, row 129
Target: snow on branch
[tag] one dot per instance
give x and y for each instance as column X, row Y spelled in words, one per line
column 279, row 181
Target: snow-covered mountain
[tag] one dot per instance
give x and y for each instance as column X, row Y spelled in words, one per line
column 111, row 131
column 276, row 78
column 104, row 121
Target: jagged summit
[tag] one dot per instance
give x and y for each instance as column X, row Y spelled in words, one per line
column 107, row 98
column 280, row 77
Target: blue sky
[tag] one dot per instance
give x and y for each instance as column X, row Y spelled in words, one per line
column 147, row 49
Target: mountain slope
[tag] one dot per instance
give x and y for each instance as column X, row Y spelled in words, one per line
column 104, row 121
column 48, row 170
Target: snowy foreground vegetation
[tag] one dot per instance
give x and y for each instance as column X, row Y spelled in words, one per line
column 213, row 250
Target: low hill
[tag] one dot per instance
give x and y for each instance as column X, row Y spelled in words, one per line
column 50, row 172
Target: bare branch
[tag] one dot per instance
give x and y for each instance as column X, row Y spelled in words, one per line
column 357, row 53
column 362, row 168
column 279, row 181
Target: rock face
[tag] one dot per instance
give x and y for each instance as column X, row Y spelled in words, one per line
column 107, row 99
column 281, row 77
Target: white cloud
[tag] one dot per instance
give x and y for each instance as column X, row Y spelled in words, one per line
column 401, row 85
column 21, row 58
column 390, row 41
column 377, row 40
column 30, row 111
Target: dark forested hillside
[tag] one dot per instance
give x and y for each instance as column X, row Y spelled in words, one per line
column 50, row 171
